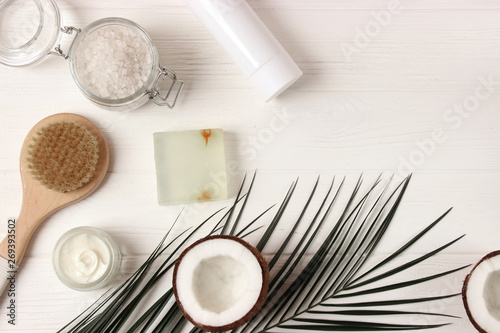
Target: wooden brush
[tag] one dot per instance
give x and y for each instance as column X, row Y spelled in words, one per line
column 63, row 159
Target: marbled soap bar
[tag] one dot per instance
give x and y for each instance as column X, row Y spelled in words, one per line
column 190, row 166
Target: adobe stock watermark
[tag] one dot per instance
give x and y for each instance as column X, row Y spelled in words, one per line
column 11, row 289
column 278, row 122
column 364, row 36
column 453, row 118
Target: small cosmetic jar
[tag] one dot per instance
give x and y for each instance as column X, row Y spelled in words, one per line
column 113, row 61
column 86, row 258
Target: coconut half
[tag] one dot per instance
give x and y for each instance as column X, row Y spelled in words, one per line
column 481, row 294
column 220, row 282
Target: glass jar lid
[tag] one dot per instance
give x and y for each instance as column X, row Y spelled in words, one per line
column 29, row 29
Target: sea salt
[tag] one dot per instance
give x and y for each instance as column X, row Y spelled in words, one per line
column 114, row 62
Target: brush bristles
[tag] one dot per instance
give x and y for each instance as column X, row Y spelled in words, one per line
column 63, row 156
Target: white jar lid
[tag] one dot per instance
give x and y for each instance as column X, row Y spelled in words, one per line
column 275, row 76
column 29, row 29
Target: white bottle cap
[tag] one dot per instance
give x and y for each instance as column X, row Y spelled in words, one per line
column 275, row 76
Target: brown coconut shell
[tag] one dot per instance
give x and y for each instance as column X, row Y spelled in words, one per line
column 260, row 300
column 465, row 287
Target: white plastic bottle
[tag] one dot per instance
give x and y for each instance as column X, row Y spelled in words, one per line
column 248, row 42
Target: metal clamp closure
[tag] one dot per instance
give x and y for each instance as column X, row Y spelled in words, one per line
column 155, row 95
column 58, row 51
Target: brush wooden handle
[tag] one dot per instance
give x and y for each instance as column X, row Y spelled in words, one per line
column 38, row 204
column 26, row 224
column 38, row 201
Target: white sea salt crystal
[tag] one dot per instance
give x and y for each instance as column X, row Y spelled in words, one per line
column 114, row 62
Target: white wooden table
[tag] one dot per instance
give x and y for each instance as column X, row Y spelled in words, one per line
column 389, row 87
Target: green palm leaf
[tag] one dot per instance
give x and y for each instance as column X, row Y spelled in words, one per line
column 371, row 304
column 377, row 313
column 307, row 299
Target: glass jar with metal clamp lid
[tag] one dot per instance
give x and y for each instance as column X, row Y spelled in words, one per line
column 113, row 61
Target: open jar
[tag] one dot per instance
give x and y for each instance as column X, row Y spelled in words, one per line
column 113, row 61
column 86, row 258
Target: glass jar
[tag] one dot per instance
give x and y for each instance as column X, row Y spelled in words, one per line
column 150, row 87
column 30, row 30
column 86, row 258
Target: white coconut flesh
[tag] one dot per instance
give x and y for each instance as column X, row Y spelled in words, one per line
column 218, row 282
column 482, row 294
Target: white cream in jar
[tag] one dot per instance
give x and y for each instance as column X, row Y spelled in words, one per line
column 86, row 258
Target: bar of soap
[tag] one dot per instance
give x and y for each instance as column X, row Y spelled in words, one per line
column 190, row 166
